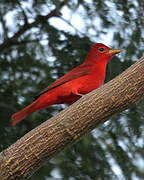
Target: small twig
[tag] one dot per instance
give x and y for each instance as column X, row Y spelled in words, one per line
column 77, row 31
column 39, row 19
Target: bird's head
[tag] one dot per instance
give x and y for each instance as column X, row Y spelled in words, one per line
column 99, row 52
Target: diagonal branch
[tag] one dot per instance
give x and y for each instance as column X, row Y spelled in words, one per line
column 29, row 153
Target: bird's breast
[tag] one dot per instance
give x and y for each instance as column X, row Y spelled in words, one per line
column 89, row 84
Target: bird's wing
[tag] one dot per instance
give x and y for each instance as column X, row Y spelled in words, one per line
column 75, row 73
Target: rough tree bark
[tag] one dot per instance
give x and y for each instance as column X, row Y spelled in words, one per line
column 23, row 158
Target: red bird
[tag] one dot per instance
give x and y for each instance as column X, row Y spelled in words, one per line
column 77, row 82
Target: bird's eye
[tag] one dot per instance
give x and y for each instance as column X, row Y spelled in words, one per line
column 101, row 49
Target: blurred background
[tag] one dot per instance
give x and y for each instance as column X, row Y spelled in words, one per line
column 40, row 41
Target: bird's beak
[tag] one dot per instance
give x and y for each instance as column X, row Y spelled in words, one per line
column 114, row 51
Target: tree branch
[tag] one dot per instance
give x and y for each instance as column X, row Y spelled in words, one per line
column 39, row 19
column 29, row 153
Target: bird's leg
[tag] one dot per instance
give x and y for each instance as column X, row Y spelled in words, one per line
column 80, row 94
column 76, row 93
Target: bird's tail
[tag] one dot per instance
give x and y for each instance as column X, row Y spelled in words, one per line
column 19, row 116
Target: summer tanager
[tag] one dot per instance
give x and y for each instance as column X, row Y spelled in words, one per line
column 77, row 82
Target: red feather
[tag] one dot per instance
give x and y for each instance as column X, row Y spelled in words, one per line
column 80, row 80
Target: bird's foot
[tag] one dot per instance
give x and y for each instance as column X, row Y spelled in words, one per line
column 80, row 94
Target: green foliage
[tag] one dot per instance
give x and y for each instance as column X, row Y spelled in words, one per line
column 46, row 51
